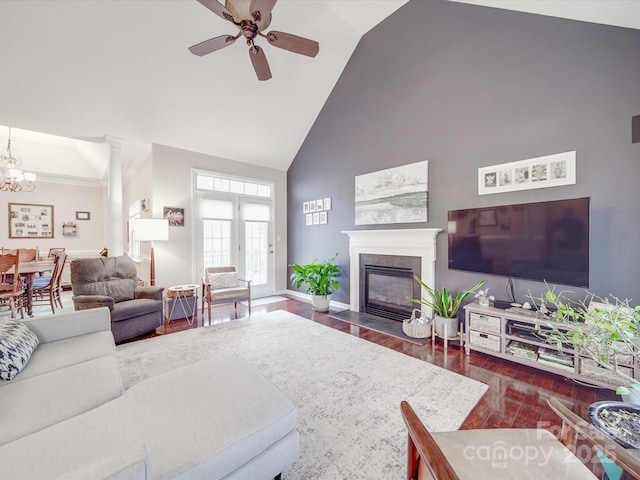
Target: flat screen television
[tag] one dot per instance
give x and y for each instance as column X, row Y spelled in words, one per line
column 541, row 241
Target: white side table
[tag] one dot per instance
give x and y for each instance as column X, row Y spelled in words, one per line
column 185, row 298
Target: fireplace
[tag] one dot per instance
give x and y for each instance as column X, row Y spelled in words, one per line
column 385, row 283
column 402, row 243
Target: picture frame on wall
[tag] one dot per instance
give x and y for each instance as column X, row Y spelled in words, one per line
column 541, row 172
column 305, row 207
column 394, row 195
column 175, row 215
column 28, row 220
column 83, row 215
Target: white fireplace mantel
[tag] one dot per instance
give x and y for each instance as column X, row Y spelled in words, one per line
column 414, row 242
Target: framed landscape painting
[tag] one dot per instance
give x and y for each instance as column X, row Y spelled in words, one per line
column 27, row 220
column 394, row 195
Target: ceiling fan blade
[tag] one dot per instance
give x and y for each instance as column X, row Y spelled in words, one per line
column 212, row 45
column 261, row 9
column 217, row 8
column 293, row 43
column 260, row 64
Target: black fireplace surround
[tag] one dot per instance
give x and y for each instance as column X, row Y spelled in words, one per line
column 385, row 283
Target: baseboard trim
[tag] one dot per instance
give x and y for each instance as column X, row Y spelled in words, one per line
column 305, row 297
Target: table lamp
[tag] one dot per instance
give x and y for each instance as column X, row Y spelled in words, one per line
column 151, row 230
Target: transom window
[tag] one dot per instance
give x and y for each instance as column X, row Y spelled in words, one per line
column 217, row 183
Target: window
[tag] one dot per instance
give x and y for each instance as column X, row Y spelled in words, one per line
column 217, row 216
column 218, row 183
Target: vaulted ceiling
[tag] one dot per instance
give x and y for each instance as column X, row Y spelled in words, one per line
column 85, row 69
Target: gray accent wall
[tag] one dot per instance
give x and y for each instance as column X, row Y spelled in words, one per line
column 464, row 86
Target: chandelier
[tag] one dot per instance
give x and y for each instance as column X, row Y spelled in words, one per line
column 13, row 179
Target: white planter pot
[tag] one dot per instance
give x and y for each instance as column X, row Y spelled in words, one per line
column 321, row 302
column 451, row 325
column 633, row 397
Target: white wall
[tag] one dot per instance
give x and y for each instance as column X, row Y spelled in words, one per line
column 66, row 198
column 168, row 175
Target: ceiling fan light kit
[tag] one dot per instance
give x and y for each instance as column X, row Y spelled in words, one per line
column 252, row 17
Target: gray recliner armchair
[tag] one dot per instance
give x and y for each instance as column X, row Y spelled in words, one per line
column 113, row 282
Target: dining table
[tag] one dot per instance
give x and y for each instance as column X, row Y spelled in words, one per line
column 29, row 270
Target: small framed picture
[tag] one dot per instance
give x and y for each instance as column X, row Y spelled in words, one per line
column 327, row 203
column 83, row 215
column 309, row 219
column 316, row 218
column 312, row 206
column 175, row 216
column 323, row 218
column 305, row 207
column 319, row 205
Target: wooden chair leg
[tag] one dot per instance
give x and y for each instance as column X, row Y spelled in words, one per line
column 52, row 300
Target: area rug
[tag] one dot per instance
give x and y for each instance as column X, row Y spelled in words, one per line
column 265, row 300
column 379, row 324
column 347, row 390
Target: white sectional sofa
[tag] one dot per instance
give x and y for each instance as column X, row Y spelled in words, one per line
column 65, row 414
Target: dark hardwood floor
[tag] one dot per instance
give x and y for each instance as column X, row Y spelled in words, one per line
column 517, row 395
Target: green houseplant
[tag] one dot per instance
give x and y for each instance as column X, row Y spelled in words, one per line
column 445, row 306
column 601, row 329
column 320, row 278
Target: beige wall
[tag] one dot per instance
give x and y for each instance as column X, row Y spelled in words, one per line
column 166, row 179
column 66, row 198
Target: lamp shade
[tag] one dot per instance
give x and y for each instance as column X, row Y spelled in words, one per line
column 150, row 229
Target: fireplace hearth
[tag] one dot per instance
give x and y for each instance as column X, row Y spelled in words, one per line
column 386, row 282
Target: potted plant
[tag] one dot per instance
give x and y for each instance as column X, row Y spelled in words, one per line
column 320, row 278
column 601, row 329
column 445, row 306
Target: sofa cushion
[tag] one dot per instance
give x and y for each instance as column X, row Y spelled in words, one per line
column 38, row 402
column 223, row 280
column 219, row 433
column 69, row 351
column 17, row 343
column 129, row 463
column 134, row 308
column 229, row 429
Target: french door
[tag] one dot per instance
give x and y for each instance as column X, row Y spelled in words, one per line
column 238, row 231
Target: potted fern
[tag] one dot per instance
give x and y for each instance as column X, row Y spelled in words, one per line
column 445, row 306
column 320, row 278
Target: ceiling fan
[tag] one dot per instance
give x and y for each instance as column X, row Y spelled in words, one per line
column 252, row 17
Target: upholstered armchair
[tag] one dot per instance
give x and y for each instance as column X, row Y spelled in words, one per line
column 113, row 282
column 222, row 285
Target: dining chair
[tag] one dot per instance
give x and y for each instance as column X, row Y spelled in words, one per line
column 50, row 285
column 222, row 285
column 28, row 254
column 521, row 453
column 11, row 285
